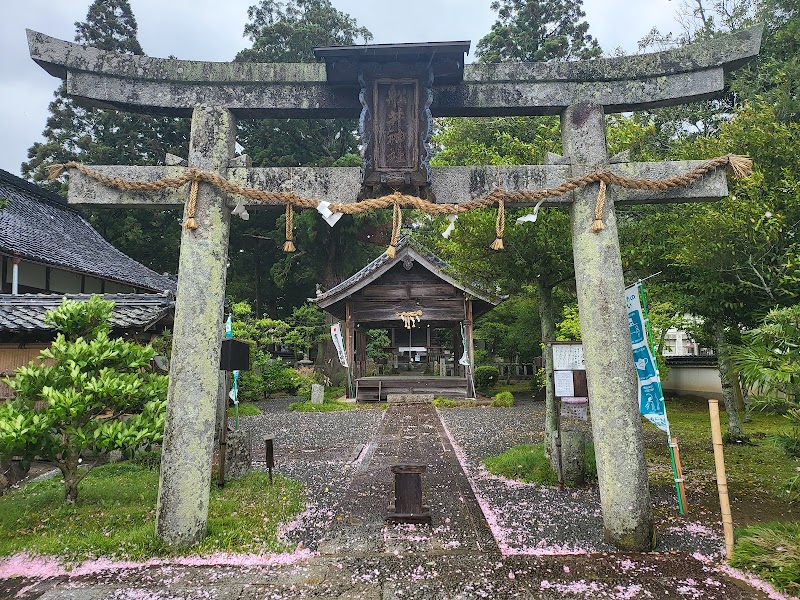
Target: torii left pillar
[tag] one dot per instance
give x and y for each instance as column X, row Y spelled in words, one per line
column 184, row 488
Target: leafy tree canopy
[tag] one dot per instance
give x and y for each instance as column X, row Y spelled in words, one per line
column 86, row 381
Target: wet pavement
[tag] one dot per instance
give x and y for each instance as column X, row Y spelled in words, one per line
column 489, row 539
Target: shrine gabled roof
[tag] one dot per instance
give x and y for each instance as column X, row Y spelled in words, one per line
column 38, row 226
column 406, row 245
column 26, row 312
column 445, row 59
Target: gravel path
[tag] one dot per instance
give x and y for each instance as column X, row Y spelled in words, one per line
column 322, row 450
column 534, row 519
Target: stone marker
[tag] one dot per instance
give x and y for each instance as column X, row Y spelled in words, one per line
column 573, row 461
column 238, row 461
column 317, row 393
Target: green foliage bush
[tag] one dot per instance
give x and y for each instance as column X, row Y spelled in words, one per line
column 485, row 377
column 377, row 342
column 503, row 399
column 768, row 360
column 90, row 382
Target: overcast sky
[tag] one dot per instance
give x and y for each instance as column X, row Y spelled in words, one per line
column 212, row 30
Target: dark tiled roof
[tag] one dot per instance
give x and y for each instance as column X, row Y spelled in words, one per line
column 39, row 226
column 407, row 241
column 25, row 312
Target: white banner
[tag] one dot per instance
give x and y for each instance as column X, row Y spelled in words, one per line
column 338, row 341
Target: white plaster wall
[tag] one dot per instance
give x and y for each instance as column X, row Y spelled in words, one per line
column 697, row 380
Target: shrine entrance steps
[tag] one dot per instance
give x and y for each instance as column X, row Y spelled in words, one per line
column 377, row 389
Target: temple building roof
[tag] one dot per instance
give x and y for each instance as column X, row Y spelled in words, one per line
column 38, row 226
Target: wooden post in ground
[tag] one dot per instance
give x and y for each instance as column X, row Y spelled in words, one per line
column 722, row 480
column 676, row 455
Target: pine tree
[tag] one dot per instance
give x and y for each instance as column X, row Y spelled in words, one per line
column 97, row 136
column 538, row 30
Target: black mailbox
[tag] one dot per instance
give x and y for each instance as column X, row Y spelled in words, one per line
column 235, row 355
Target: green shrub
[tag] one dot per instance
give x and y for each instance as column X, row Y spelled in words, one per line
column 444, row 403
column 539, row 380
column 503, row 399
column 90, row 380
column 269, row 375
column 772, row 550
column 485, row 377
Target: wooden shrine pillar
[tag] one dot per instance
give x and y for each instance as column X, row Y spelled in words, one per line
column 349, row 335
column 360, row 351
column 470, row 371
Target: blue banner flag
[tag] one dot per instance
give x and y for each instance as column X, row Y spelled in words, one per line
column 651, row 396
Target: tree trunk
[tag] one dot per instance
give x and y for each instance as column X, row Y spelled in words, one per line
column 548, row 327
column 69, row 468
column 726, row 377
column 737, row 390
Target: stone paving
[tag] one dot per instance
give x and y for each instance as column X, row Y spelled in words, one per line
column 346, row 551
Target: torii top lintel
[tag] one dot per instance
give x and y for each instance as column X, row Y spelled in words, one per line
column 294, row 90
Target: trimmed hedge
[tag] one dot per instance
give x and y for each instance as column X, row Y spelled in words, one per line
column 486, row 376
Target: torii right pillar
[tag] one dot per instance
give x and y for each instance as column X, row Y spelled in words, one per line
column 610, row 373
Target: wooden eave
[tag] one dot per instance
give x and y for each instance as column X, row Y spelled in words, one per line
column 334, row 302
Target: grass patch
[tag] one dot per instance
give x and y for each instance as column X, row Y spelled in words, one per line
column 445, row 403
column 119, row 502
column 772, row 550
column 324, row 407
column 515, row 387
column 525, row 462
column 753, row 470
column 332, row 392
column 529, row 463
column 246, row 409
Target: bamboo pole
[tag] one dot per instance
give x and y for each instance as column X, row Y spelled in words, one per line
column 676, row 457
column 722, row 481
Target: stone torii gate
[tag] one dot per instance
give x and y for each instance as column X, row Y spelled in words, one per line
column 214, row 94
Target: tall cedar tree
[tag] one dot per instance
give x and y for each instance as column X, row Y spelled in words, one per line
column 95, row 136
column 260, row 272
column 529, row 30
